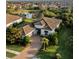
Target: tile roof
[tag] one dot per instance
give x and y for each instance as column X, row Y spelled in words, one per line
column 42, row 22
column 51, row 22
column 27, row 29
column 10, row 18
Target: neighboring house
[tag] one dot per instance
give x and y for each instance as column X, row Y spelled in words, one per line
column 52, row 6
column 47, row 26
column 27, row 15
column 43, row 6
column 10, row 19
column 28, row 30
column 34, row 5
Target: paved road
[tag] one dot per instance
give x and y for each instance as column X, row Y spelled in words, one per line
column 30, row 52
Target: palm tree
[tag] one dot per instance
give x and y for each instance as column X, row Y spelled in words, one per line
column 45, row 43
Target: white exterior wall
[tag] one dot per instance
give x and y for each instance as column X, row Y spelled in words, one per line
column 9, row 24
column 17, row 21
column 49, row 31
column 58, row 25
column 38, row 26
column 28, row 15
column 35, row 32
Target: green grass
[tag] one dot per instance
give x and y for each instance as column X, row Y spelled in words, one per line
column 64, row 33
column 47, row 54
column 15, row 47
column 28, row 20
column 10, row 55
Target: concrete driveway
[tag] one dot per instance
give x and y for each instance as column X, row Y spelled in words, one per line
column 30, row 51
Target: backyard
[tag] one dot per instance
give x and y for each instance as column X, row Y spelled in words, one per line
column 28, row 20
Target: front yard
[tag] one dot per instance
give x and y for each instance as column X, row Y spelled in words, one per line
column 47, row 54
column 15, row 47
column 10, row 55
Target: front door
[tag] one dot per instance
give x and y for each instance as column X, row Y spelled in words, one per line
column 38, row 31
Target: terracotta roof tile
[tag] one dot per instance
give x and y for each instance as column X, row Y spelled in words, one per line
column 52, row 22
column 27, row 29
column 11, row 18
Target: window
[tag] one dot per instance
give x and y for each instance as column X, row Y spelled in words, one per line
column 46, row 32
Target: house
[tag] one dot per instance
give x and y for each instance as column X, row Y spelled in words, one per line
column 46, row 26
column 28, row 30
column 52, row 6
column 27, row 15
column 10, row 19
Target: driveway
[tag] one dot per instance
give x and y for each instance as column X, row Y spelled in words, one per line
column 30, row 51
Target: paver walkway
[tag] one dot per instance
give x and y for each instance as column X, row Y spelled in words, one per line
column 30, row 52
column 11, row 51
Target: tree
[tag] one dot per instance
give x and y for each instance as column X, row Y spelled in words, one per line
column 13, row 34
column 25, row 40
column 67, row 16
column 69, row 43
column 53, row 39
column 45, row 42
column 49, row 14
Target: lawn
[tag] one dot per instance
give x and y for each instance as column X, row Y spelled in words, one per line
column 28, row 20
column 10, row 55
column 15, row 47
column 48, row 54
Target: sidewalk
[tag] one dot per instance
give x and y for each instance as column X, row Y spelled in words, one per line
column 8, row 58
column 30, row 52
column 11, row 51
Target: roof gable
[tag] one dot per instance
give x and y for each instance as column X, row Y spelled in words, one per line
column 52, row 22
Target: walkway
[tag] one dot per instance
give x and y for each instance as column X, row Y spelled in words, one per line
column 30, row 52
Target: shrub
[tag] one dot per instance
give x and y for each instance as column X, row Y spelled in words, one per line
column 15, row 24
column 25, row 40
column 53, row 40
column 13, row 34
